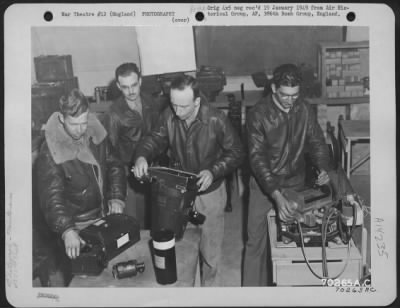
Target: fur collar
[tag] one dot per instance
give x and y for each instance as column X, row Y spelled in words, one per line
column 63, row 148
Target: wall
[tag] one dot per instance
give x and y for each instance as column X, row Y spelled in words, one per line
column 243, row 50
column 357, row 34
column 96, row 51
column 360, row 112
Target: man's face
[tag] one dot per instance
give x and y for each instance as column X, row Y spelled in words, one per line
column 286, row 96
column 184, row 103
column 75, row 126
column 129, row 86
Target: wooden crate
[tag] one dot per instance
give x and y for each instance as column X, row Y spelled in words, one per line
column 289, row 267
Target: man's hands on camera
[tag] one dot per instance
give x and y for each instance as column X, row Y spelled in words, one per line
column 286, row 208
column 205, row 180
column 323, row 178
column 140, row 169
column 73, row 243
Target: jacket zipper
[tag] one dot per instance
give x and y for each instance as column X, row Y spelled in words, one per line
column 289, row 140
column 189, row 136
column 100, row 189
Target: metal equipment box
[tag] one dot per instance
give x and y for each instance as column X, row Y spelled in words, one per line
column 289, row 267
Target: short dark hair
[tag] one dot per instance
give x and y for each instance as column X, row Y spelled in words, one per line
column 126, row 69
column 287, row 75
column 181, row 82
column 74, row 104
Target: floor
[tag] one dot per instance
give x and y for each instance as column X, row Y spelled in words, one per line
column 233, row 244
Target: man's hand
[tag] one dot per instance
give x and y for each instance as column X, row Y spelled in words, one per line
column 140, row 168
column 205, row 180
column 72, row 242
column 286, row 208
column 116, row 206
column 323, row 178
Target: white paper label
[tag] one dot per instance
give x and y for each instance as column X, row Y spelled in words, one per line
column 164, row 245
column 159, row 262
column 99, row 222
column 123, row 240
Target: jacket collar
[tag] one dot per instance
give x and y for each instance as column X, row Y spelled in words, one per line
column 294, row 109
column 62, row 147
column 123, row 105
column 203, row 114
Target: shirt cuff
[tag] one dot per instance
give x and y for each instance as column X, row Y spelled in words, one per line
column 66, row 231
column 118, row 201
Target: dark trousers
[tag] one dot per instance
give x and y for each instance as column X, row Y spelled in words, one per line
column 138, row 203
column 256, row 249
column 257, row 255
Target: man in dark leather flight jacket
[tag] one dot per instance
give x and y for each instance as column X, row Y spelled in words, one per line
column 79, row 178
column 279, row 129
column 203, row 141
column 131, row 116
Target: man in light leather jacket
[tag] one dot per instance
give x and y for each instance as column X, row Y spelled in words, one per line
column 79, row 178
column 203, row 141
column 280, row 128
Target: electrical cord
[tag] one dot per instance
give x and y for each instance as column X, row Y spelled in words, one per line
column 308, row 263
column 324, row 230
column 325, row 221
column 323, row 235
column 304, row 254
column 346, row 237
column 354, row 205
column 323, row 245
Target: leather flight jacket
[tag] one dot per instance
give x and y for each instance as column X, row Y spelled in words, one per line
column 126, row 127
column 277, row 143
column 209, row 143
column 69, row 192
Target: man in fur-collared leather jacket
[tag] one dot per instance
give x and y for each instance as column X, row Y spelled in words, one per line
column 280, row 128
column 79, row 179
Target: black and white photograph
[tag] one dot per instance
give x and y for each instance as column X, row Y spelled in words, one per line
column 219, row 162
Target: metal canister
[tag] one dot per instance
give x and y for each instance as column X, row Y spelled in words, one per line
column 164, row 256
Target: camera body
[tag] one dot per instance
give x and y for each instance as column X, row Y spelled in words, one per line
column 105, row 238
column 92, row 261
column 173, row 194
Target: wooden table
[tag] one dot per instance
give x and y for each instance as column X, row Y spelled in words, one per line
column 351, row 131
column 186, row 251
column 347, row 102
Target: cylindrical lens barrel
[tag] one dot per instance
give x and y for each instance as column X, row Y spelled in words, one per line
column 127, row 269
column 164, row 256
